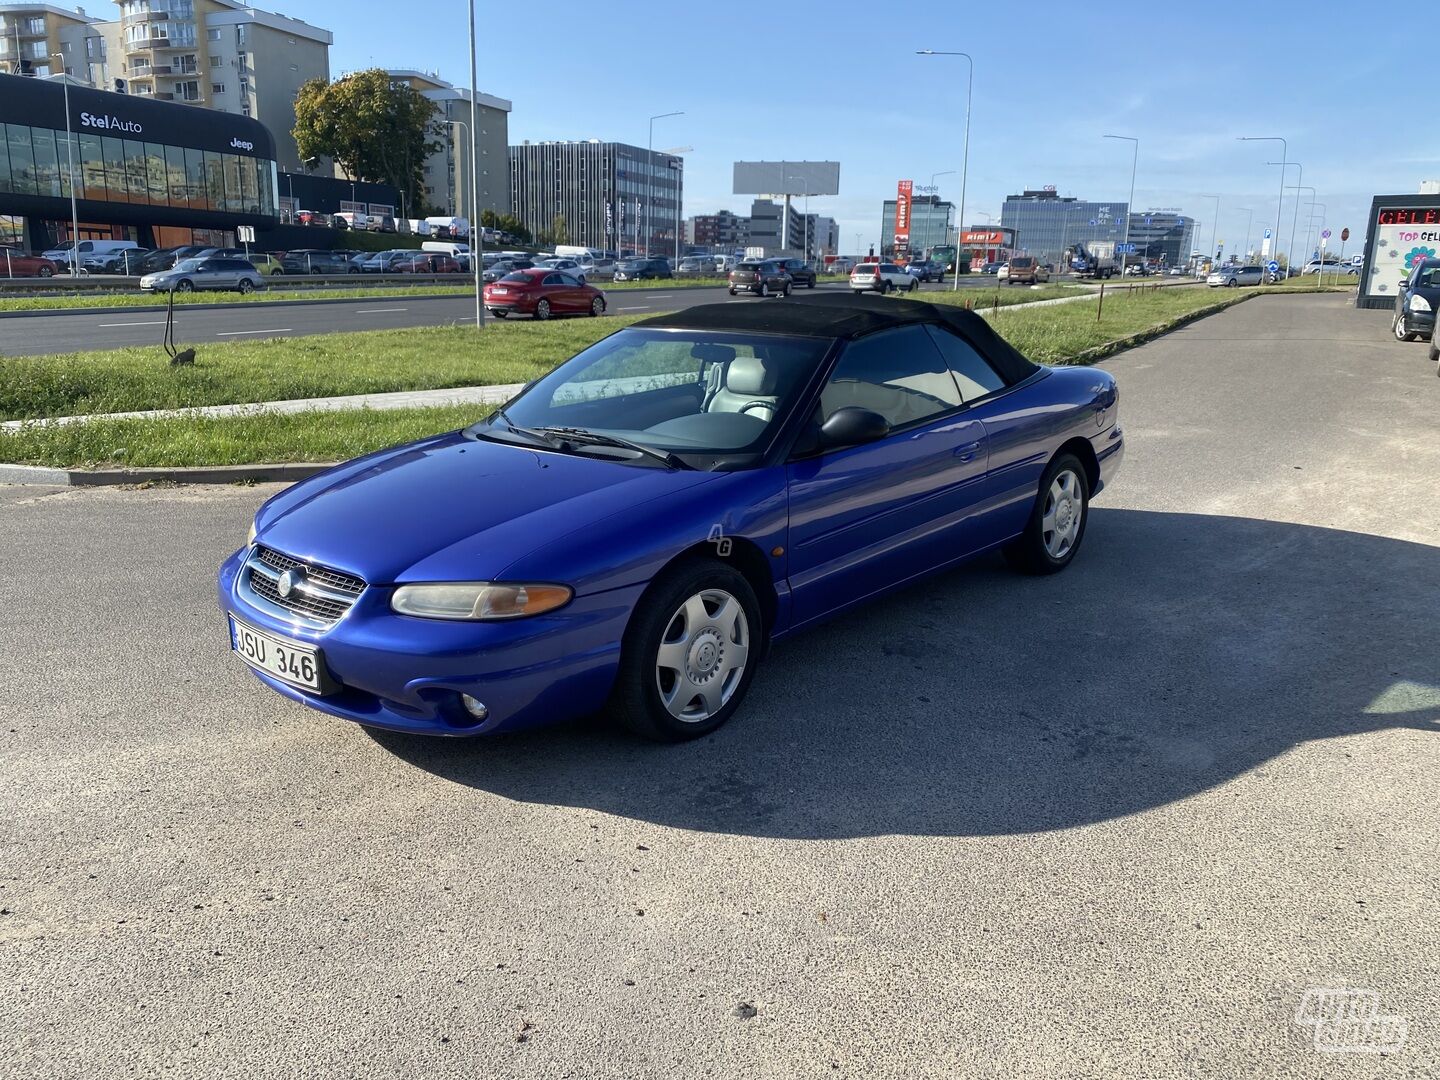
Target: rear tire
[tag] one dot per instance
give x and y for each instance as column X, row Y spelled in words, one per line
column 542, row 310
column 732, row 292
column 785, row 289
column 45, row 271
column 701, row 616
column 912, row 286
column 764, row 289
column 1435, row 342
column 243, row 287
column 1057, row 523
column 597, row 307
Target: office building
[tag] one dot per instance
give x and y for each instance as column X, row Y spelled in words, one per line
column 1163, row 236
column 768, row 221
column 30, row 34
column 930, row 224
column 447, row 171
column 598, row 191
column 721, row 232
column 824, row 236
column 1045, row 223
column 144, row 170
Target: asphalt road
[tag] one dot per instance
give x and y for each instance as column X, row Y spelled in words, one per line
column 72, row 331
column 1112, row 823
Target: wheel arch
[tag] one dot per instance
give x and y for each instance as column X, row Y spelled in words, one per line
column 746, row 558
column 1082, row 449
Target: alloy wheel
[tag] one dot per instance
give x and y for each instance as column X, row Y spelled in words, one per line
column 1064, row 511
column 702, row 655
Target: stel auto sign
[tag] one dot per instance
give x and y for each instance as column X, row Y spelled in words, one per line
column 903, row 192
column 110, row 123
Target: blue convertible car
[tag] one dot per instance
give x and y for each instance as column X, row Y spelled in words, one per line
column 635, row 528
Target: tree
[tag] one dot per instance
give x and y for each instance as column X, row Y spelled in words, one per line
column 375, row 130
column 508, row 224
column 559, row 230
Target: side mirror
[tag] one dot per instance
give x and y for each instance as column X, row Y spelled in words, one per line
column 852, row 426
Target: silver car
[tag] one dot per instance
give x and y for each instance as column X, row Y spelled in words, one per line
column 1233, row 276
column 213, row 272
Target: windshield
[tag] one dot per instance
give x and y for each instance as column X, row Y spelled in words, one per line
column 188, row 264
column 631, row 264
column 681, row 391
column 518, row 276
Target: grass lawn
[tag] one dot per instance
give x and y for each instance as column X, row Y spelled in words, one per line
column 404, row 359
column 372, row 361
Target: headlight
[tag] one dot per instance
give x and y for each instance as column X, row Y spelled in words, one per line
column 478, row 600
column 1419, row 303
column 250, row 536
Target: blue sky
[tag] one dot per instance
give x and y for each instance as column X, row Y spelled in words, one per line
column 1050, row 80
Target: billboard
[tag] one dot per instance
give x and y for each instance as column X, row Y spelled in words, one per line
column 1400, row 233
column 787, row 178
column 903, row 192
column 985, row 237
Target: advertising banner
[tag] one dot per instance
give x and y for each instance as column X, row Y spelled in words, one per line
column 903, row 192
column 1400, row 235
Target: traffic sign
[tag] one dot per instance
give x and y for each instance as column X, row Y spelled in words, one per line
column 1345, row 234
column 1124, row 249
column 1324, row 234
column 1267, row 234
column 1273, row 266
column 245, row 233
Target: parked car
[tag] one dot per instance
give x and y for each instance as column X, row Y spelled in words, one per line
column 761, row 277
column 1233, row 276
column 542, row 292
column 1332, row 267
column 991, row 268
column 570, row 266
column 802, row 274
column 505, row 265
column 351, row 219
column 1003, row 272
column 317, row 261
column 269, row 265
column 1025, row 270
column 382, row 223
column 925, row 270
column 725, row 263
column 213, row 273
column 311, row 217
column 86, row 249
column 425, row 262
column 452, row 587
column 840, row 265
column 165, row 258
column 880, row 277
column 126, row 261
column 1417, row 301
column 642, row 269
column 384, row 262
column 16, row 263
column 695, row 266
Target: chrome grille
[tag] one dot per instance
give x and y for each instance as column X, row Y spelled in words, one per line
column 318, row 599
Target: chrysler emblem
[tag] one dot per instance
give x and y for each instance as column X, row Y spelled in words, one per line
column 288, row 581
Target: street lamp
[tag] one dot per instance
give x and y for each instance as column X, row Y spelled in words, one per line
column 1250, row 217
column 1130, row 206
column 1284, row 156
column 649, row 171
column 678, row 165
column 476, row 237
column 70, row 158
column 1294, row 217
column 1214, row 225
column 965, row 159
column 1297, row 189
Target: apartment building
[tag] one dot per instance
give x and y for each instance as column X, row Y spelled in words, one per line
column 461, row 113
column 724, row 231
column 30, row 34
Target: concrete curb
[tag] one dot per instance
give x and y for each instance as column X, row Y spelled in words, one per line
column 41, row 476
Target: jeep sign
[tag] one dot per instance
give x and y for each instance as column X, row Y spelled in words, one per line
column 241, row 144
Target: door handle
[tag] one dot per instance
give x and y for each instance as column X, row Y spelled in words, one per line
column 968, row 451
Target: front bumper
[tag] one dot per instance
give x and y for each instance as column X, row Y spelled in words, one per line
column 407, row 674
column 1419, row 322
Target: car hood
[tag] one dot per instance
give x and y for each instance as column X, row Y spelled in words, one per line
column 454, row 508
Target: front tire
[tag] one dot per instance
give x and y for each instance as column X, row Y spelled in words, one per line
column 244, row 288
column 597, row 307
column 184, row 285
column 912, row 286
column 1398, row 328
column 764, row 289
column 45, row 271
column 1057, row 523
column 689, row 653
column 542, row 310
column 1435, row 342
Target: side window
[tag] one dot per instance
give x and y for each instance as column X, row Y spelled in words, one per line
column 896, row 373
column 971, row 370
column 552, row 279
column 566, row 279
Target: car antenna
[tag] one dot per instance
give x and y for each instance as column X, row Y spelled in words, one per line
column 185, row 356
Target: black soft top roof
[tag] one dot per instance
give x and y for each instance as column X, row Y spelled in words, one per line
column 835, row 315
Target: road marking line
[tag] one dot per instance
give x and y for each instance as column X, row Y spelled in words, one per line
column 378, row 310
column 661, row 296
column 108, row 325
column 234, row 333
column 642, row 307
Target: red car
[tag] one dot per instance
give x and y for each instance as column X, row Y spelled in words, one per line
column 542, row 292
column 15, row 263
column 428, row 262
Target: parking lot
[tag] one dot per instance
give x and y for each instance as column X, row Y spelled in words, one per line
column 1113, row 821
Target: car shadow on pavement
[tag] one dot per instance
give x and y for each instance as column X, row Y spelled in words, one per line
column 1180, row 651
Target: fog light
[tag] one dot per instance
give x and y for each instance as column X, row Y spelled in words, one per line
column 475, row 708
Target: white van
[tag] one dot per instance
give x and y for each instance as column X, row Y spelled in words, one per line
column 452, row 228
column 459, row 252
column 354, row 218
column 589, row 258
column 89, row 249
column 420, row 227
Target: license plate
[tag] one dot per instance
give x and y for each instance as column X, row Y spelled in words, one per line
column 498, row 291
column 287, row 660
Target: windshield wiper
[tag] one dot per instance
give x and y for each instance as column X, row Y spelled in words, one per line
column 574, row 434
column 513, row 428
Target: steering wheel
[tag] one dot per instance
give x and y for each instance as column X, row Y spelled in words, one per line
column 757, row 405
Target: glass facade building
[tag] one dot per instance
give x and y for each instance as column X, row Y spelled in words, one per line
column 930, row 224
column 1164, row 236
column 142, row 170
column 1047, row 224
